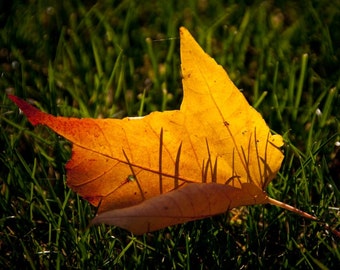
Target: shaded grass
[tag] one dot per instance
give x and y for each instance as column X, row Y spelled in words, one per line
column 117, row 59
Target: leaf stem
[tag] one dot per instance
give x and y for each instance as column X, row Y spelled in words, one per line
column 291, row 208
column 302, row 213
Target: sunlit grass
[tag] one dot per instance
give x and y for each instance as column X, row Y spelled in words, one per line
column 116, row 60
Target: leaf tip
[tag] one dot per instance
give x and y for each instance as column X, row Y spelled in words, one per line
column 33, row 114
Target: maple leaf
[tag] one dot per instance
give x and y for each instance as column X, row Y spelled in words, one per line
column 214, row 154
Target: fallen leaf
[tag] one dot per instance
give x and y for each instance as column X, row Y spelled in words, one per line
column 214, row 154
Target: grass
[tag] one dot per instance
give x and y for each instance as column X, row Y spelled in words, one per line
column 116, row 59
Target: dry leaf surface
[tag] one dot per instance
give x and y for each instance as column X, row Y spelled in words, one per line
column 213, row 154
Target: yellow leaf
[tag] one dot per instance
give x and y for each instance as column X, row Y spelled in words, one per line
column 213, row 154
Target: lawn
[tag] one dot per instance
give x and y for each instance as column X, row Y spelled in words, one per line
column 113, row 59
